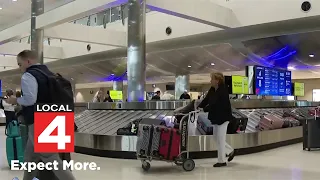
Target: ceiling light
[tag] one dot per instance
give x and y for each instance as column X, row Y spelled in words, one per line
column 112, row 74
column 0, row 8
column 212, row 64
column 189, row 66
column 291, row 68
column 14, row 0
column 311, row 55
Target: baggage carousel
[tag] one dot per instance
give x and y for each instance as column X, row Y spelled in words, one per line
column 98, row 123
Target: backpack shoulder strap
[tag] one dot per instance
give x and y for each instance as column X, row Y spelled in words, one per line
column 40, row 71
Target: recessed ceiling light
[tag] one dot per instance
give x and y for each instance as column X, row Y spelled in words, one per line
column 311, row 55
column 112, row 74
column 189, row 66
column 14, row 0
column 212, row 64
column 291, row 68
column 0, row 8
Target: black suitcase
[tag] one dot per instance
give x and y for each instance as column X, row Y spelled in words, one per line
column 126, row 132
column 150, row 121
column 311, row 131
column 239, row 122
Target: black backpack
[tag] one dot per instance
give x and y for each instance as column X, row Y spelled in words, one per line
column 60, row 90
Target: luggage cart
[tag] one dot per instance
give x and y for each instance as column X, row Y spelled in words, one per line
column 183, row 158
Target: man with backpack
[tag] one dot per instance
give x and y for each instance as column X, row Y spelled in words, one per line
column 40, row 85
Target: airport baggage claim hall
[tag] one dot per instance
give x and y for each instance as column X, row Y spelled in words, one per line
column 135, row 59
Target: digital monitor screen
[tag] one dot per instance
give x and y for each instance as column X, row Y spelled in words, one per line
column 298, row 89
column 272, row 82
column 116, row 95
column 240, row 85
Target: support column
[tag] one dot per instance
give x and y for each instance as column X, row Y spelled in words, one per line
column 182, row 83
column 73, row 85
column 117, row 85
column 136, row 61
column 37, row 8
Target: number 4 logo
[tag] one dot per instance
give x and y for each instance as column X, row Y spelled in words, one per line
column 61, row 138
column 53, row 132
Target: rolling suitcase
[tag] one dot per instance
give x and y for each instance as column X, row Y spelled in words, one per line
column 169, row 143
column 151, row 121
column 204, row 125
column 270, row 122
column 314, row 112
column 126, row 132
column 311, row 130
column 14, row 149
column 148, row 141
column 14, row 142
column 239, row 123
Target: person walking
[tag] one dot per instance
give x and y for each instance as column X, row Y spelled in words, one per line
column 34, row 87
column 8, row 108
column 218, row 105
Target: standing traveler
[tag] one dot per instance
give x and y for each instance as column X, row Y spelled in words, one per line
column 8, row 108
column 156, row 96
column 108, row 97
column 102, row 98
column 35, row 83
column 185, row 95
column 218, row 105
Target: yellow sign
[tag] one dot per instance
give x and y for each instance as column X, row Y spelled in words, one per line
column 298, row 89
column 116, row 95
column 240, row 85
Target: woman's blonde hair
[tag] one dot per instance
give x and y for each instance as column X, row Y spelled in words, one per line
column 218, row 76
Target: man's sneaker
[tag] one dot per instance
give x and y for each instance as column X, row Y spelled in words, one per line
column 231, row 156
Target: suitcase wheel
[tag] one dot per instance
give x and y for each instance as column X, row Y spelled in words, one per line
column 188, row 165
column 146, row 166
column 142, row 152
column 155, row 153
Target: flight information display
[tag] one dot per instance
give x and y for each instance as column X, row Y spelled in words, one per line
column 272, row 82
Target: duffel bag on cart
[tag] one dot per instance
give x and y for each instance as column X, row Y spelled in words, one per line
column 204, row 125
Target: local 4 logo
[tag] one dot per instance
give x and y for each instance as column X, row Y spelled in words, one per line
column 53, row 128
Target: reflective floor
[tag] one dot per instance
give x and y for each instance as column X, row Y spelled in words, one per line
column 286, row 163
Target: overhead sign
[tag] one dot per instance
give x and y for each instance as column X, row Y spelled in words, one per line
column 116, row 95
column 240, row 85
column 298, row 89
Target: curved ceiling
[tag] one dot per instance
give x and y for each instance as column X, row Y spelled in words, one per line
column 197, row 54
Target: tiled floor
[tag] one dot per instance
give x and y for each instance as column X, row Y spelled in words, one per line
column 286, row 163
